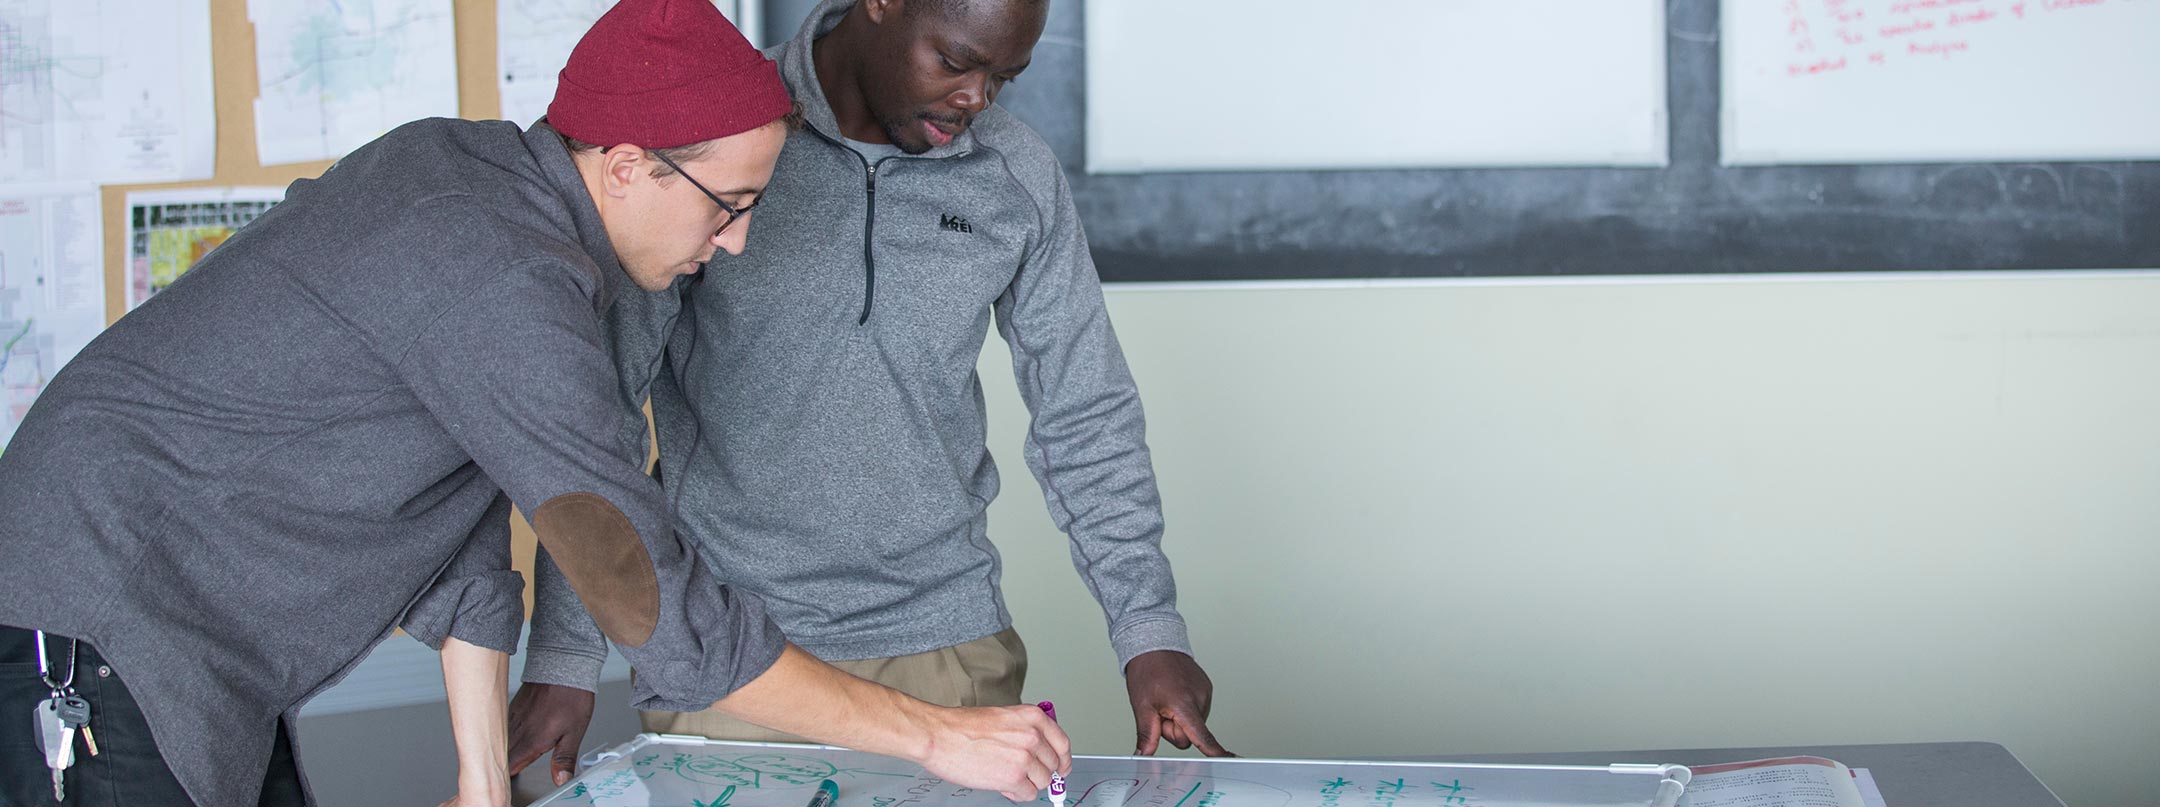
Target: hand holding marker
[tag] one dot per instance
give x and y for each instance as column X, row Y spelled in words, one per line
column 1057, row 780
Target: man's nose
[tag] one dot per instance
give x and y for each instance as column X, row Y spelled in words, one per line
column 733, row 238
column 976, row 97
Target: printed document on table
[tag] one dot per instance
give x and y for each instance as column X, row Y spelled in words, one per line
column 52, row 288
column 336, row 74
column 1783, row 782
column 106, row 91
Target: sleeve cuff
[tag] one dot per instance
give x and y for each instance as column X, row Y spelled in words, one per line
column 562, row 668
column 485, row 610
column 1147, row 636
column 713, row 679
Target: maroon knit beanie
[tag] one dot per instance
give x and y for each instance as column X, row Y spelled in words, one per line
column 664, row 73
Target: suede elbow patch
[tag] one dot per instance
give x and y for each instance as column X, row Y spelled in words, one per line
column 606, row 562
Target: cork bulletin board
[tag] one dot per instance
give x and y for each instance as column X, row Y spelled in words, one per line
column 233, row 63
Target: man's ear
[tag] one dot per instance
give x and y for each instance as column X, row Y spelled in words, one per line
column 881, row 10
column 620, row 167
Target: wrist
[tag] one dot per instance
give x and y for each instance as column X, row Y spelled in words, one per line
column 564, row 669
column 488, row 782
column 916, row 735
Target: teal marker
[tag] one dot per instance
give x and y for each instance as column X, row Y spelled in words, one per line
column 826, row 794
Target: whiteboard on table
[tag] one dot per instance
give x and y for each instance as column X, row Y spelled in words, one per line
column 1225, row 85
column 665, row 770
column 1870, row 81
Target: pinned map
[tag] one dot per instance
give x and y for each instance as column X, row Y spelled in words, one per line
column 336, row 74
column 535, row 41
column 169, row 231
column 111, row 92
column 52, row 289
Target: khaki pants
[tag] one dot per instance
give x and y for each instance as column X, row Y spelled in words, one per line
column 984, row 672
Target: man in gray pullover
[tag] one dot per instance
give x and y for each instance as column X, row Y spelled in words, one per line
column 316, row 436
column 820, row 419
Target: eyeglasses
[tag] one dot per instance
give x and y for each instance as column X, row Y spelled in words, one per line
column 732, row 211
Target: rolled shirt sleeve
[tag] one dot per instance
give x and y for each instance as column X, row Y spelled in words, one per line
column 477, row 597
column 520, row 374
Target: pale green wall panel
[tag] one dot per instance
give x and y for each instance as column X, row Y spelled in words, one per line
column 1494, row 517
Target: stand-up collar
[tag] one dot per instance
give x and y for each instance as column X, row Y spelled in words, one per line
column 562, row 175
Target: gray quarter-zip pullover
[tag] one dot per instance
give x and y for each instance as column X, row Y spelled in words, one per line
column 820, row 421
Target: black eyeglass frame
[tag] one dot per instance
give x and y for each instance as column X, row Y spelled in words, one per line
column 731, row 210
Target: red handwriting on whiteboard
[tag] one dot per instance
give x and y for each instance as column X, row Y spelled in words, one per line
column 1938, row 48
column 1824, row 66
column 1829, row 36
column 1907, row 28
column 1911, row 6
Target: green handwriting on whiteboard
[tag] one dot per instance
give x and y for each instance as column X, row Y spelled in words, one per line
column 751, row 771
column 683, row 774
column 1386, row 792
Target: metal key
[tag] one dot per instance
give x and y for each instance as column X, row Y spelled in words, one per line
column 75, row 711
column 57, row 739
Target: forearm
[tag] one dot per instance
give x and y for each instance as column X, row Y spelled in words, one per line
column 804, row 696
column 1010, row 749
column 478, row 683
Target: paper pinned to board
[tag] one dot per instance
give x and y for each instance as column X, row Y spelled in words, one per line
column 534, row 41
column 168, row 231
column 335, row 74
column 534, row 38
column 52, row 289
column 118, row 91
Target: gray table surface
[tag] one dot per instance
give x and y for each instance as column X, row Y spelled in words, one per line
column 1967, row 774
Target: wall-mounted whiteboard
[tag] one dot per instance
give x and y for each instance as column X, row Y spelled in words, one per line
column 1226, row 85
column 1853, row 81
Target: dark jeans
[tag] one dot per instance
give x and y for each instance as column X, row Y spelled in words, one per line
column 128, row 769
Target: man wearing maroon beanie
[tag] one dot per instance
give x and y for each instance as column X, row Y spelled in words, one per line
column 316, row 436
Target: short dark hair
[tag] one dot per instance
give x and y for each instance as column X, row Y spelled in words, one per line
column 915, row 8
column 680, row 154
column 949, row 7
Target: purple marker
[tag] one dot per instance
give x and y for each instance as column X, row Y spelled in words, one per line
column 1057, row 780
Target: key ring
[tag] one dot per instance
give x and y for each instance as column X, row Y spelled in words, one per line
column 45, row 668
